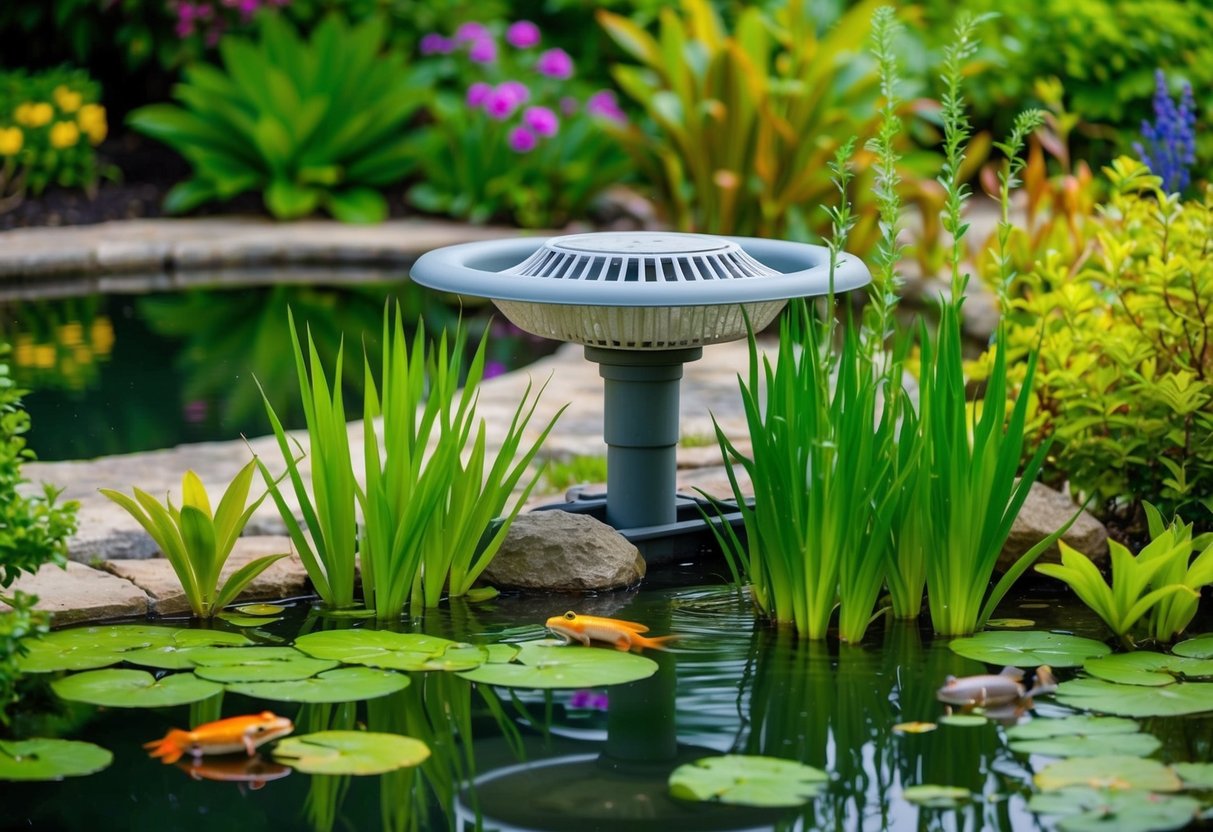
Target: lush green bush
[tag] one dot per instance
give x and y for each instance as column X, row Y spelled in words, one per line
column 308, row 123
column 33, row 529
column 513, row 134
column 1125, row 378
column 17, row 626
column 743, row 120
column 49, row 124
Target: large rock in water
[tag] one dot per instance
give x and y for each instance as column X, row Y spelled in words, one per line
column 563, row 551
column 1044, row 512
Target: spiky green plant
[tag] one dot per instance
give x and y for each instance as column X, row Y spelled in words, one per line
column 1172, row 615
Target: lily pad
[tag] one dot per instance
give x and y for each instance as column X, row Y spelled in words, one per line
column 936, row 797
column 1029, row 648
column 238, row 620
column 50, row 759
column 260, row 664
column 914, row 727
column 134, row 688
column 964, row 720
column 1081, row 736
column 350, row 752
column 1083, row 808
column 1117, row 771
column 742, row 780
column 1137, row 700
column 1010, row 623
column 391, row 651
column 177, row 653
column 346, row 684
column 1195, row 775
column 1145, row 668
column 259, row 609
column 550, row 665
column 87, row 648
column 1200, row 647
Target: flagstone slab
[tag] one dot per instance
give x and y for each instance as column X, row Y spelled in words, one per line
column 81, row 593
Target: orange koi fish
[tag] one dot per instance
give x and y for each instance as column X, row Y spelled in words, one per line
column 254, row 771
column 224, row 736
column 623, row 635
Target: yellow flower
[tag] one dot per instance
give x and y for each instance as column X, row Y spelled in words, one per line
column 64, row 134
column 34, row 113
column 11, row 140
column 68, row 100
column 92, row 121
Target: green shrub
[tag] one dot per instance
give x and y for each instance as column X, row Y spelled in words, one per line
column 1125, row 376
column 308, row 123
column 33, row 529
column 743, row 122
column 17, row 626
column 49, row 124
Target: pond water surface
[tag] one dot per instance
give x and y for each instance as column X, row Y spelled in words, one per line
column 600, row 759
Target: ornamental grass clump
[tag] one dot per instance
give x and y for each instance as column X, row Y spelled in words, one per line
column 513, row 134
column 196, row 541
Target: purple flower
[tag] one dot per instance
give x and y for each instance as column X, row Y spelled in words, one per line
column 522, row 140
column 603, row 104
column 436, row 44
column 555, row 63
column 483, row 51
column 522, row 35
column 568, row 105
column 541, row 120
column 478, row 93
column 500, row 104
column 516, row 90
column 588, row 700
column 471, row 32
column 492, row 369
column 1170, row 142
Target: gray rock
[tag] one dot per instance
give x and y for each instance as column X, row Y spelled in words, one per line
column 155, row 576
column 80, row 593
column 1044, row 512
column 562, row 551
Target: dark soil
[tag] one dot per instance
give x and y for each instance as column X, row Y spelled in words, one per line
column 141, row 173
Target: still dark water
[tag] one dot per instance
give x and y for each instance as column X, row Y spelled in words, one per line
column 115, row 373
column 581, row 761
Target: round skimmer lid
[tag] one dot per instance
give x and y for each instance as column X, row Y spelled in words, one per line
column 638, row 290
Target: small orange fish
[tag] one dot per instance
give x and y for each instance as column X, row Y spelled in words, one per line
column 224, row 736
column 623, row 635
column 254, row 771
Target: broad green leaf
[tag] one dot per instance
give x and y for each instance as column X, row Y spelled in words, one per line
column 1137, row 700
column 1146, row 668
column 743, row 780
column 1086, row 809
column 1195, row 775
column 357, row 205
column 134, row 689
column 350, row 752
column 259, row 664
column 1108, row 772
column 546, row 665
column 936, row 797
column 50, row 759
column 964, row 720
column 394, row 651
column 1200, row 647
column 346, row 684
column 259, row 609
column 86, row 648
column 1029, row 648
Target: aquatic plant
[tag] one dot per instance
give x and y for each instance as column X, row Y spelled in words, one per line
column 1172, row 615
column 511, row 133
column 307, row 123
column 196, row 541
column 1169, row 144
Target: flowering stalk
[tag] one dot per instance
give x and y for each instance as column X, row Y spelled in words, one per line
column 1169, row 149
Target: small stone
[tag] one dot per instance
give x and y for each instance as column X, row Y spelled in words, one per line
column 562, row 551
column 155, row 576
column 80, row 593
column 1044, row 512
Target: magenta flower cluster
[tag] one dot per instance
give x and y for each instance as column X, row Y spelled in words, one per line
column 505, row 100
column 211, row 18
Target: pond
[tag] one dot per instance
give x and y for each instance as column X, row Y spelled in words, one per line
column 170, row 367
column 598, row 758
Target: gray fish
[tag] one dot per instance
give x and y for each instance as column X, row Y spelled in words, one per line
column 1003, row 688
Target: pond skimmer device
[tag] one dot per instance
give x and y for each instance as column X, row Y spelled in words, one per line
column 642, row 304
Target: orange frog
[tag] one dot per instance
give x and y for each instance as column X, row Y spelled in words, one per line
column 225, row 736
column 623, row 635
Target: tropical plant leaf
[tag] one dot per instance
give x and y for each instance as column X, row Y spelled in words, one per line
column 745, row 780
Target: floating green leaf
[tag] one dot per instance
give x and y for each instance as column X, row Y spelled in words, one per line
column 545, row 664
column 177, row 654
column 238, row 620
column 134, row 688
column 1083, row 808
column 1137, row 700
column 1200, row 647
column 345, row 684
column 1195, row 775
column 50, row 759
column 1029, row 648
column 936, row 797
column 1081, row 736
column 86, row 648
column 259, row 609
column 1009, row 623
column 392, row 651
column 350, row 752
column 1114, row 771
column 262, row 664
column 1145, row 668
column 742, row 780
column 964, row 720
